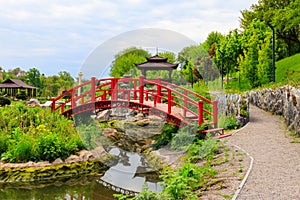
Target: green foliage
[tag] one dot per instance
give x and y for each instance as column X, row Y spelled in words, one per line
column 125, row 61
column 231, row 47
column 184, row 138
column 255, row 65
column 90, row 133
column 36, row 134
column 4, row 101
column 283, row 16
column 203, row 149
column 212, row 40
column 187, row 181
column 166, row 136
column 22, row 95
column 229, row 122
column 33, row 77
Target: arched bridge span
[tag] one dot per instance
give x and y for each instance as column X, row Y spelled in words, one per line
column 171, row 102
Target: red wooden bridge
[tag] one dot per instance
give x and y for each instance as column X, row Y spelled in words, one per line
column 173, row 103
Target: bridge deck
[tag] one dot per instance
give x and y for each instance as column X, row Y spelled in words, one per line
column 178, row 112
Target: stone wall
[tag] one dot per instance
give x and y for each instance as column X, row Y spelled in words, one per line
column 284, row 101
column 235, row 105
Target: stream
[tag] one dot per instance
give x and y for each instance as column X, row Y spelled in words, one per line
column 123, row 175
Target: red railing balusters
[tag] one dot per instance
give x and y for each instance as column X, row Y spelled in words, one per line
column 169, row 101
column 200, row 113
column 215, row 113
column 185, row 104
column 141, row 89
column 158, row 90
column 173, row 95
column 93, row 89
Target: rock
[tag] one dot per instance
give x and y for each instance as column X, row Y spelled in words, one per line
column 57, row 161
column 98, row 152
column 143, row 122
column 72, row 159
column 283, row 101
column 103, row 115
column 85, row 155
column 110, row 133
column 42, row 164
column 28, row 164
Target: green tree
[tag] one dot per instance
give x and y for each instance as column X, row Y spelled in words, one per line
column 124, row 62
column 231, row 47
column 283, row 15
column 212, row 41
column 33, row 77
column 255, row 64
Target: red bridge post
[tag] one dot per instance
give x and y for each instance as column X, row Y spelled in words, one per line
column 53, row 104
column 159, row 90
column 169, row 101
column 114, row 89
column 200, row 113
column 215, row 113
column 185, row 103
column 93, row 89
column 141, row 89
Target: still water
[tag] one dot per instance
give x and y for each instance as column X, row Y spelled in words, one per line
column 123, row 175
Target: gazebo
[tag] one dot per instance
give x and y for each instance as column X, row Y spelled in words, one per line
column 157, row 63
column 13, row 86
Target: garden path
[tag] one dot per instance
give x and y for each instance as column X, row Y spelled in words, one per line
column 276, row 169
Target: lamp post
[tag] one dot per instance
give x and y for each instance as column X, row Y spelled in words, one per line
column 273, row 51
column 222, row 66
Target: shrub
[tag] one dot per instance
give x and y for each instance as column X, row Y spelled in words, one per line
column 22, row 95
column 4, row 101
column 203, row 149
column 4, row 139
column 166, row 136
column 183, row 139
column 229, row 122
column 36, row 134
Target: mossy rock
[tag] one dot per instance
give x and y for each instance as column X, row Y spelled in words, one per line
column 57, row 173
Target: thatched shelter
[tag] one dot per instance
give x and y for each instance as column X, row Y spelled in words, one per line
column 12, row 87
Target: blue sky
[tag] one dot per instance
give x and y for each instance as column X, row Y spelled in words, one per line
column 56, row 35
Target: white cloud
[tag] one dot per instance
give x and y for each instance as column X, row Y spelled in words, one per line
column 66, row 31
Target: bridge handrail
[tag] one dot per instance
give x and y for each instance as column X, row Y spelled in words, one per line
column 98, row 92
column 188, row 91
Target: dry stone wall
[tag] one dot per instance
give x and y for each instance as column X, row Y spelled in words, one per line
column 235, row 105
column 284, row 101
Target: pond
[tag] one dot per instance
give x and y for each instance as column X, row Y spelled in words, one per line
column 124, row 175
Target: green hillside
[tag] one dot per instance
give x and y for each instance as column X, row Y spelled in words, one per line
column 288, row 69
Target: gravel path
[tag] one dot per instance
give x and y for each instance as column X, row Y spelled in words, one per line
column 276, row 170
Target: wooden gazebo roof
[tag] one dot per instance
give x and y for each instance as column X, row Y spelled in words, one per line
column 156, row 63
column 15, row 83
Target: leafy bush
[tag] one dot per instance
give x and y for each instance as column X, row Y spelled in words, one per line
column 228, row 122
column 203, row 149
column 22, row 95
column 4, row 139
column 36, row 134
column 184, row 138
column 4, row 101
column 166, row 136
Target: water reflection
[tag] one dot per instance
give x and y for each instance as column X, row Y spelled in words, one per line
column 131, row 172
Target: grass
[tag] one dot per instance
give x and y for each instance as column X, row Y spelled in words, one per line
column 286, row 67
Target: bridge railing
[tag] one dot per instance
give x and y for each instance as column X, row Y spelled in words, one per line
column 132, row 89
